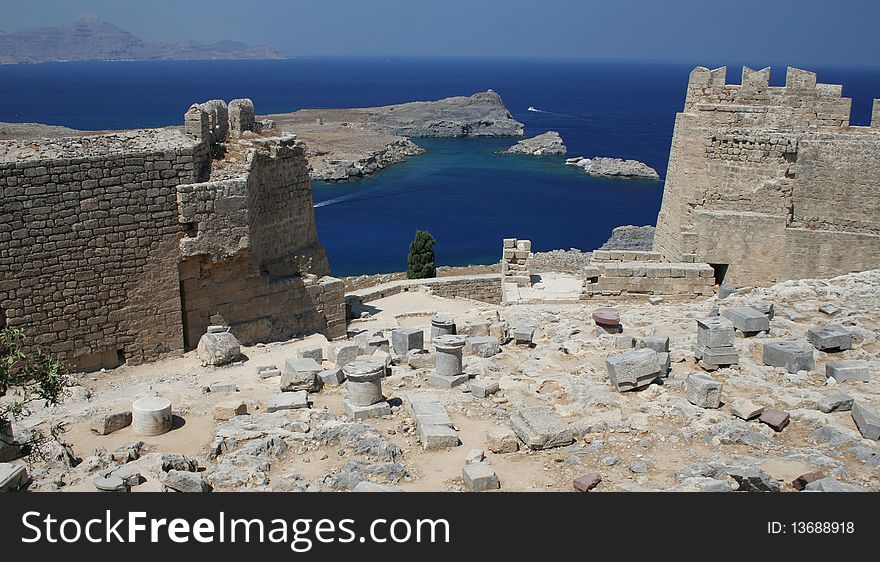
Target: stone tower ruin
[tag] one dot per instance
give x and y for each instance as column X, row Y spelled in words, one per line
column 123, row 247
column 771, row 183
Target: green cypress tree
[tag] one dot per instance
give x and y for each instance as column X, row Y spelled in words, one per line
column 421, row 257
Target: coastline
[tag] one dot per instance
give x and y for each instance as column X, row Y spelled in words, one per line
column 358, row 142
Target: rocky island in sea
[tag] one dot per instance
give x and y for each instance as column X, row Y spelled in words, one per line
column 614, row 167
column 545, row 144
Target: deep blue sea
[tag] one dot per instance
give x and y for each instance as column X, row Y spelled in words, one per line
column 462, row 191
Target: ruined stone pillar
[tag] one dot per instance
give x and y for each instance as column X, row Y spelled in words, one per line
column 364, row 397
column 151, row 416
column 448, row 364
column 515, row 262
column 196, row 123
column 441, row 325
column 242, row 117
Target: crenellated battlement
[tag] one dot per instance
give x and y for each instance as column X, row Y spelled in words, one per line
column 810, row 104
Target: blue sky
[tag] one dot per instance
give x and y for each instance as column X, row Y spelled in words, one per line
column 756, row 32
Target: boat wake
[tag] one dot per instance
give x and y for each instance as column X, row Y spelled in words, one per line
column 534, row 109
column 334, row 201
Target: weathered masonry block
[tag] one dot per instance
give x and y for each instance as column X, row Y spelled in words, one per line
column 830, row 338
column 124, row 247
column 793, row 356
column 771, row 183
column 746, row 319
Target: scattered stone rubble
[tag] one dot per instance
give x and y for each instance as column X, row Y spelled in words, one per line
column 627, row 407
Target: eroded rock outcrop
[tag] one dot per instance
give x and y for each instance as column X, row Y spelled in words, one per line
column 545, row 144
column 614, row 167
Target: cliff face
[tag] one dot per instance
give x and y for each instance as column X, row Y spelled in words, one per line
column 90, row 39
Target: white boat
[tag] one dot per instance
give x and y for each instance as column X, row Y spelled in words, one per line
column 532, row 108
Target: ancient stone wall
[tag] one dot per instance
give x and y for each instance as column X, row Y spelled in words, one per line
column 770, row 183
column 256, row 306
column 482, row 287
column 122, row 247
column 88, row 244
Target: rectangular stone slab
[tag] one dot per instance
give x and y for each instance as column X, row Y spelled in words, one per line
column 635, row 368
column 301, row 365
column 836, row 403
column 343, row 353
column 848, row 370
column 523, row 334
column 440, row 381
column 714, row 331
column 539, row 428
column 777, row 419
column 745, row 409
column 830, row 338
column 792, row 356
column 434, row 437
column 287, row 401
column 479, row 477
column 746, row 319
column 426, row 409
column 376, row 410
column 718, row 355
column 108, row 423
column 316, row 353
column 867, row 420
column 660, row 344
column 483, row 387
column 482, row 346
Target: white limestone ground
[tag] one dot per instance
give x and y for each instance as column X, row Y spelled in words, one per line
column 649, row 439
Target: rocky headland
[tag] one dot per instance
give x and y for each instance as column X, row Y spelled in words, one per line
column 614, row 167
column 350, row 143
column 545, row 144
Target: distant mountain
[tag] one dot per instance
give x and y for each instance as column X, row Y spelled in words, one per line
column 91, row 39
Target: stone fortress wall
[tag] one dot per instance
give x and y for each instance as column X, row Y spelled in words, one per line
column 771, row 183
column 123, row 247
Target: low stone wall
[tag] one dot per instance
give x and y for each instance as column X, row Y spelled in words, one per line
column 484, row 288
column 625, row 255
column 621, row 278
